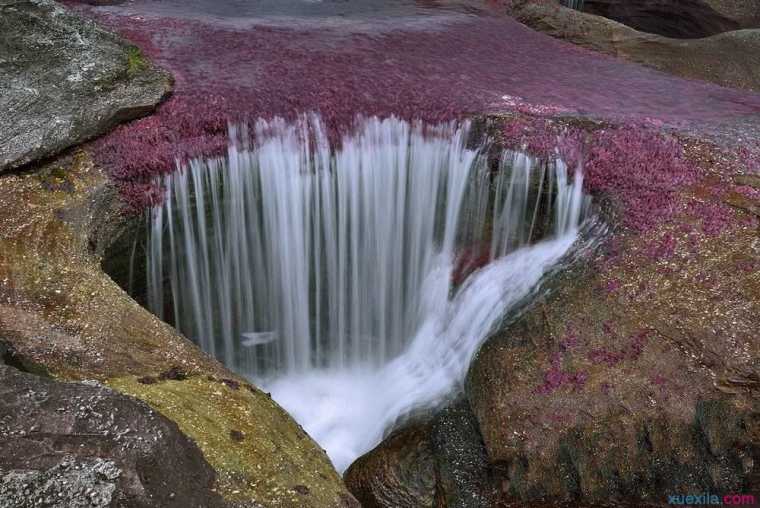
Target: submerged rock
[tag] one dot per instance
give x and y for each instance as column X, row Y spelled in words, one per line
column 84, row 445
column 63, row 80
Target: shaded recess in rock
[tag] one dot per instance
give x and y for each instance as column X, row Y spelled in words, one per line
column 680, row 19
column 730, row 59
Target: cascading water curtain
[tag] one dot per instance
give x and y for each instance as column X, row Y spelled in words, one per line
column 573, row 4
column 289, row 255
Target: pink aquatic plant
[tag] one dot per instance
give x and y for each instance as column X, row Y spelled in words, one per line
column 455, row 66
column 641, row 168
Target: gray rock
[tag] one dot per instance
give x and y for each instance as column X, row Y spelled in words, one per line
column 82, row 445
column 70, row 484
column 63, row 80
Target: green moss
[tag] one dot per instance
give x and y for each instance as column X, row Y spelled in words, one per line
column 136, row 61
column 257, row 451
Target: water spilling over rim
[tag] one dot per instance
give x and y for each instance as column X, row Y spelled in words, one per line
column 355, row 283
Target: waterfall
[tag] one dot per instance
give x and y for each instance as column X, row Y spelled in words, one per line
column 383, row 263
column 574, row 4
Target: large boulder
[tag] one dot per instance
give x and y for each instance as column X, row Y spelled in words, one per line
column 63, row 80
column 729, row 59
column 84, row 445
column 634, row 377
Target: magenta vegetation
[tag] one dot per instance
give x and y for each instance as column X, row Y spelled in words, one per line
column 434, row 68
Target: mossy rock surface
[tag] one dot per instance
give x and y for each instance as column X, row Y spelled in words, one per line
column 233, row 424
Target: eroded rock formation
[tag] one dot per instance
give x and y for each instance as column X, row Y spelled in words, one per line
column 634, row 377
column 84, row 445
column 679, row 19
column 729, row 58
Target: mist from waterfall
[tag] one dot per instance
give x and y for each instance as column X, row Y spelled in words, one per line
column 355, row 283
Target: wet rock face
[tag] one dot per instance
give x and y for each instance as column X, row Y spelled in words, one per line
column 74, row 444
column 63, row 80
column 439, row 463
column 633, row 377
column 680, row 19
column 399, row 472
column 616, row 437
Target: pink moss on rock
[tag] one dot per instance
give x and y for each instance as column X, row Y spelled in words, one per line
column 437, row 66
column 640, row 168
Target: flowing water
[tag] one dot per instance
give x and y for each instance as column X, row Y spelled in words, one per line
column 355, row 282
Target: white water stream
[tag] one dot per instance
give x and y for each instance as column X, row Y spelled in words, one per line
column 355, row 284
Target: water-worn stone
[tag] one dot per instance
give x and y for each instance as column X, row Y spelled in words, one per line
column 400, row 472
column 681, row 19
column 438, row 463
column 63, row 80
column 635, row 376
column 83, row 445
column 729, row 59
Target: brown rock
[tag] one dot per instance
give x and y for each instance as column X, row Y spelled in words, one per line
column 610, row 395
column 399, row 473
column 440, row 463
column 680, row 19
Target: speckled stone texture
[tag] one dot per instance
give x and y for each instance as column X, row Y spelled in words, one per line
column 63, row 80
column 83, row 445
